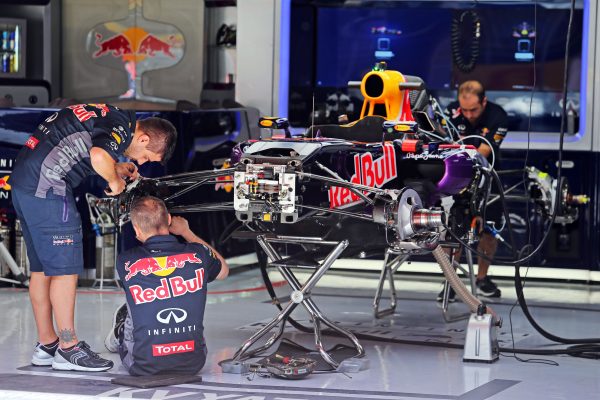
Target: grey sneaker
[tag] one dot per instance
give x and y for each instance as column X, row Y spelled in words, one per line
column 112, row 339
column 80, row 358
column 43, row 355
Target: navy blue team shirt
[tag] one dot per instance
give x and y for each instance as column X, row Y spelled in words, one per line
column 165, row 282
column 492, row 125
column 57, row 155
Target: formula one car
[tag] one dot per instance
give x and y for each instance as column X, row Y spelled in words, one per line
column 390, row 169
column 383, row 168
column 394, row 181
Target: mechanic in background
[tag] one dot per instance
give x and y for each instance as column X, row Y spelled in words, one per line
column 474, row 115
column 75, row 142
column 160, row 330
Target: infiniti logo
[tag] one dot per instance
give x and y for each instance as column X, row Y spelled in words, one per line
column 171, row 314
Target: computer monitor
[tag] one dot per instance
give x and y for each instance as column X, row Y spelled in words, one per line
column 519, row 47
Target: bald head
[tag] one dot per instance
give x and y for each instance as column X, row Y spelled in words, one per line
column 472, row 100
column 471, row 88
column 149, row 214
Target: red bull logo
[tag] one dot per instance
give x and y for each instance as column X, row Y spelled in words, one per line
column 4, row 185
column 160, row 266
column 134, row 44
column 368, row 172
column 168, row 288
column 102, row 107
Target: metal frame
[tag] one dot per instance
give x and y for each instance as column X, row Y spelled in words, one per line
column 301, row 295
column 387, row 273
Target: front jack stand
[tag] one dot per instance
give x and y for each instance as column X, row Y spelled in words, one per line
column 481, row 343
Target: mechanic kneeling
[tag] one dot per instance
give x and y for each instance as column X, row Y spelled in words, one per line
column 160, row 329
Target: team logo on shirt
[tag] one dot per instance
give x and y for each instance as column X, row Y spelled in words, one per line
column 116, row 136
column 168, row 288
column 102, row 107
column 4, row 185
column 81, row 113
column 499, row 135
column 32, row 142
column 160, row 266
column 167, row 349
column 170, row 315
column 62, row 240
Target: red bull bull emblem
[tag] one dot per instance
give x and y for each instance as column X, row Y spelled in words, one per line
column 135, row 45
column 4, row 185
column 160, row 266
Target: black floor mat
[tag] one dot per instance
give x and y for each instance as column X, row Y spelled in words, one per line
column 145, row 382
column 287, row 348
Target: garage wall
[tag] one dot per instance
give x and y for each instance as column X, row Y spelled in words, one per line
column 262, row 55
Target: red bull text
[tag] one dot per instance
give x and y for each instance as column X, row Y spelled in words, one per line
column 368, row 172
column 169, row 287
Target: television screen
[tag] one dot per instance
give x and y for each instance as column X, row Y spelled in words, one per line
column 334, row 44
column 351, row 40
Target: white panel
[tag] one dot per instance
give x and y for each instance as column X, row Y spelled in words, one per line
column 256, row 54
column 82, row 78
column 182, row 81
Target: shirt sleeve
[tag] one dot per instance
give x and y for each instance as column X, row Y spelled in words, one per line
column 120, row 266
column 211, row 263
column 111, row 133
column 496, row 132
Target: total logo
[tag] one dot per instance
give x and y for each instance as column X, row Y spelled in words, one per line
column 168, row 349
column 368, row 172
column 168, row 288
column 171, row 315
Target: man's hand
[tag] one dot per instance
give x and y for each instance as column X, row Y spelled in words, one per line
column 115, row 187
column 127, row 170
column 179, row 226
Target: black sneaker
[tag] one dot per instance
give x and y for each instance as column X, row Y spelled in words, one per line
column 451, row 295
column 112, row 339
column 487, row 288
column 80, row 358
column 43, row 355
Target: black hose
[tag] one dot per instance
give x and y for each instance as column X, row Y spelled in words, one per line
column 456, row 41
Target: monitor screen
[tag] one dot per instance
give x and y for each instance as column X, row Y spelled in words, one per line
column 513, row 37
column 351, row 40
column 333, row 44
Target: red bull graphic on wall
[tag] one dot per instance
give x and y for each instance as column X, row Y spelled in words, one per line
column 135, row 45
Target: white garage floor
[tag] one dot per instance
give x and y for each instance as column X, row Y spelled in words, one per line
column 397, row 370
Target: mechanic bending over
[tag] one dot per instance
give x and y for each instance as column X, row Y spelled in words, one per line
column 474, row 115
column 71, row 144
column 160, row 329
